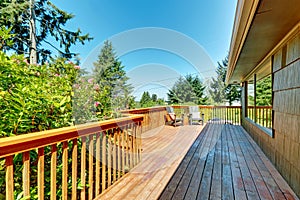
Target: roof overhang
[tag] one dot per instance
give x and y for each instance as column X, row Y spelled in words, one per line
column 259, row 27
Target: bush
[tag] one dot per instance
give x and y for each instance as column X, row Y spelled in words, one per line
column 35, row 97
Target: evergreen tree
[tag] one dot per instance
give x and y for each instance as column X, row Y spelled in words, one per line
column 181, row 92
column 106, row 59
column 264, row 92
column 217, row 85
column 198, row 89
column 219, row 91
column 154, row 97
column 186, row 90
column 110, row 75
column 36, row 22
column 146, row 100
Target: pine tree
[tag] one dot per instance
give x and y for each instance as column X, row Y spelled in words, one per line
column 264, row 92
column 182, row 92
column 146, row 100
column 217, row 85
column 110, row 75
column 154, row 97
column 219, row 91
column 198, row 89
column 106, row 59
column 38, row 21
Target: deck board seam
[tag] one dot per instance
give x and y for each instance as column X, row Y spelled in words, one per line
column 238, row 143
column 275, row 175
column 199, row 142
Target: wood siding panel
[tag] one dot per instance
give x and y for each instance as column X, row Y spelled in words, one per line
column 284, row 149
column 293, row 49
column 277, row 61
column 287, row 77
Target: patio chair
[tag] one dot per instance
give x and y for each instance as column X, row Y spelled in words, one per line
column 171, row 117
column 195, row 115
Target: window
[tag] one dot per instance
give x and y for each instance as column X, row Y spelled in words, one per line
column 259, row 101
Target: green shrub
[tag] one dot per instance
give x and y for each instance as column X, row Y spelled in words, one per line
column 34, row 97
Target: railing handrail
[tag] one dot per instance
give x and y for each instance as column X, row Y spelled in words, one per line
column 267, row 107
column 140, row 110
column 206, row 106
column 22, row 143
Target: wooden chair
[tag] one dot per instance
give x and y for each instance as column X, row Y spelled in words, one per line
column 171, row 117
column 195, row 115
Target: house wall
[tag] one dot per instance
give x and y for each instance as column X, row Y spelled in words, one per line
column 283, row 149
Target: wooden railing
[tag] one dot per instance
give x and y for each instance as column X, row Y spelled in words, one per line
column 153, row 117
column 261, row 115
column 81, row 162
column 229, row 114
column 38, row 164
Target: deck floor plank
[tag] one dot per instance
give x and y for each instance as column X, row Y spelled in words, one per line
column 222, row 162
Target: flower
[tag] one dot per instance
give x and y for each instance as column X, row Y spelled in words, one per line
column 56, row 74
column 77, row 67
column 90, row 80
column 26, row 61
column 96, row 87
column 97, row 103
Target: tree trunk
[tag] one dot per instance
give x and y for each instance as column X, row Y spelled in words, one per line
column 32, row 27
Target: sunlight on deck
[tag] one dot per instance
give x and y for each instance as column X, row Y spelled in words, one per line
column 163, row 150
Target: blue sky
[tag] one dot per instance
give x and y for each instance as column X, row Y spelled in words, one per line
column 207, row 22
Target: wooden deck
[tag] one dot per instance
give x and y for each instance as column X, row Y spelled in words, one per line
column 163, row 150
column 223, row 162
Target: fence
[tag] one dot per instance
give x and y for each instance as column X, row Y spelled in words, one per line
column 261, row 115
column 228, row 114
column 100, row 154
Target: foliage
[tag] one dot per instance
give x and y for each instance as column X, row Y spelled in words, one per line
column 148, row 100
column 217, row 86
column 154, row 97
column 219, row 91
column 50, row 22
column 264, row 92
column 233, row 93
column 5, row 38
column 111, row 77
column 35, row 98
column 188, row 89
column 198, row 89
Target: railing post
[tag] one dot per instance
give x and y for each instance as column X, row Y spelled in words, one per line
column 26, row 174
column 9, row 178
column 53, row 172
column 41, row 173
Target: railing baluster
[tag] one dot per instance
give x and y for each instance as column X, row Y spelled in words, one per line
column 83, row 167
column 119, row 153
column 127, row 148
column 40, row 176
column 135, row 145
column 9, row 178
column 74, row 168
column 98, row 153
column 114, row 152
column 65, row 170
column 123, row 150
column 53, row 172
column 104, row 161
column 109, row 159
column 139, row 129
column 91, row 172
column 26, row 174
column 131, row 147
